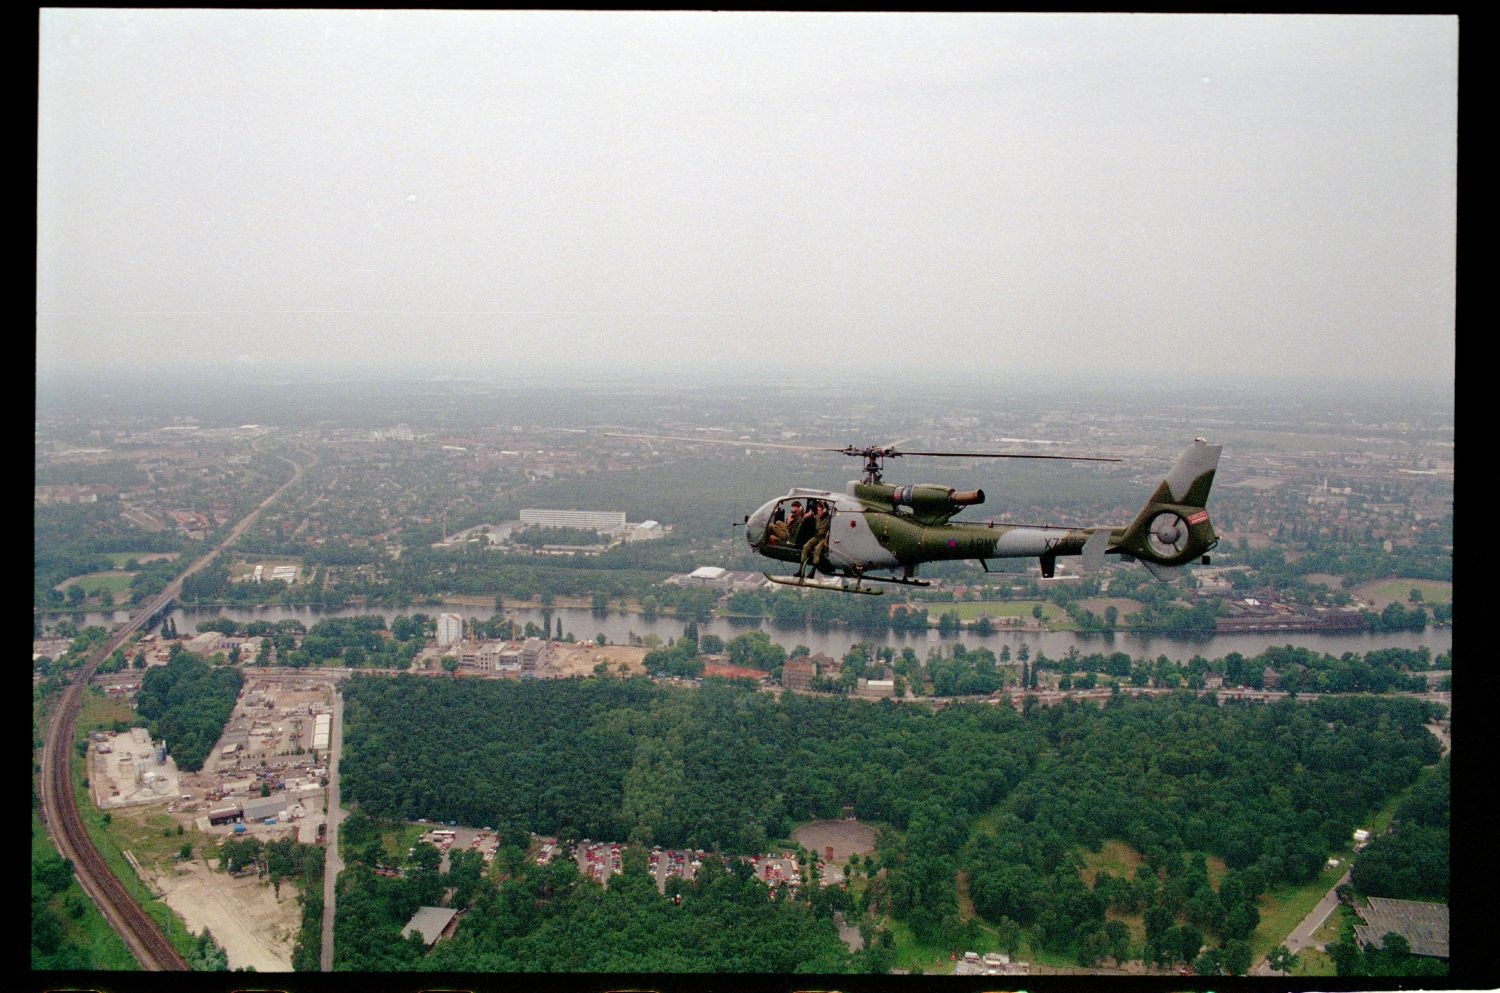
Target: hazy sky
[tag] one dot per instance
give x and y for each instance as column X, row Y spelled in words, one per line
column 991, row 195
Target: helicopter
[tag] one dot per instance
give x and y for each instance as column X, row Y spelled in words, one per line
column 880, row 533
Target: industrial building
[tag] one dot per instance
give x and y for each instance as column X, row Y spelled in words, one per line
column 431, row 924
column 798, row 673
column 646, row 531
column 1423, row 925
column 322, row 732
column 129, row 768
column 716, row 578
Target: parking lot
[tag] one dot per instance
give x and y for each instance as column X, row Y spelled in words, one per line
column 447, row 838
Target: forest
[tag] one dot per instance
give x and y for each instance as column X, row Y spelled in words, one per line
column 187, row 702
column 1411, row 861
column 1009, row 802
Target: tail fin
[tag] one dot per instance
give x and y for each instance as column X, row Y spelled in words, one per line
column 1173, row 528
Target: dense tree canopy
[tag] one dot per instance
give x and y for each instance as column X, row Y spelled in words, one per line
column 187, row 702
column 1411, row 862
column 719, row 768
column 1269, row 788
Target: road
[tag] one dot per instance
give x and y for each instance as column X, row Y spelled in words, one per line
column 848, row 933
column 1302, row 935
column 332, row 864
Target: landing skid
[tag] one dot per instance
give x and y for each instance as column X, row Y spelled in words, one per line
column 836, row 585
column 841, row 584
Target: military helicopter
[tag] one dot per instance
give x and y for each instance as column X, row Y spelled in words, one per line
column 882, row 533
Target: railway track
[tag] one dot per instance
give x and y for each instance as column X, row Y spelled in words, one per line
column 139, row 932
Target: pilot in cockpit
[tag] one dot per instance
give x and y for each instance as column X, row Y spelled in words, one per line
column 783, row 528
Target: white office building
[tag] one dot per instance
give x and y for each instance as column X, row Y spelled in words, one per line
column 607, row 521
column 450, row 629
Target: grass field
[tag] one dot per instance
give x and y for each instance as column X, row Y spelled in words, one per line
column 1116, row 858
column 1310, row 961
column 1388, row 591
column 972, row 610
column 109, row 584
column 914, row 957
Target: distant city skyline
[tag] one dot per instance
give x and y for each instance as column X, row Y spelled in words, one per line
column 658, row 195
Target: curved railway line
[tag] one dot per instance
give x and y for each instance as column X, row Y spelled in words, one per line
column 139, row 932
column 60, row 807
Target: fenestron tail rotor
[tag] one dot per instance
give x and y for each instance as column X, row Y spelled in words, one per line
column 1168, row 534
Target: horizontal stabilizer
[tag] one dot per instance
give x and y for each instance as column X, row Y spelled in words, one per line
column 1165, row 573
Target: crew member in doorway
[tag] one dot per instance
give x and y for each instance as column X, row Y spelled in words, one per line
column 812, row 552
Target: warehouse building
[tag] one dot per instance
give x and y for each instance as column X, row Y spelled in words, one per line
column 1423, row 925
column 431, row 924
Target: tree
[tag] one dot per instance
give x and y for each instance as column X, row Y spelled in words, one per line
column 1158, row 921
column 1282, row 960
column 1241, row 921
column 1236, row 957
column 52, row 872
column 1210, row 963
column 1092, row 946
column 1190, row 940
column 1118, row 933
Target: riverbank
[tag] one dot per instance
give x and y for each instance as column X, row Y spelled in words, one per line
column 623, row 627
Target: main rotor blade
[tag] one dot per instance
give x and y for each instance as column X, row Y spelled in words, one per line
column 1006, row 455
column 884, row 452
column 722, row 441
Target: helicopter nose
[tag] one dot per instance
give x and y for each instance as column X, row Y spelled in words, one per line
column 755, row 526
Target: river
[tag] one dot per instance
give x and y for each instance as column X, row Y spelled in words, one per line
column 622, row 628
